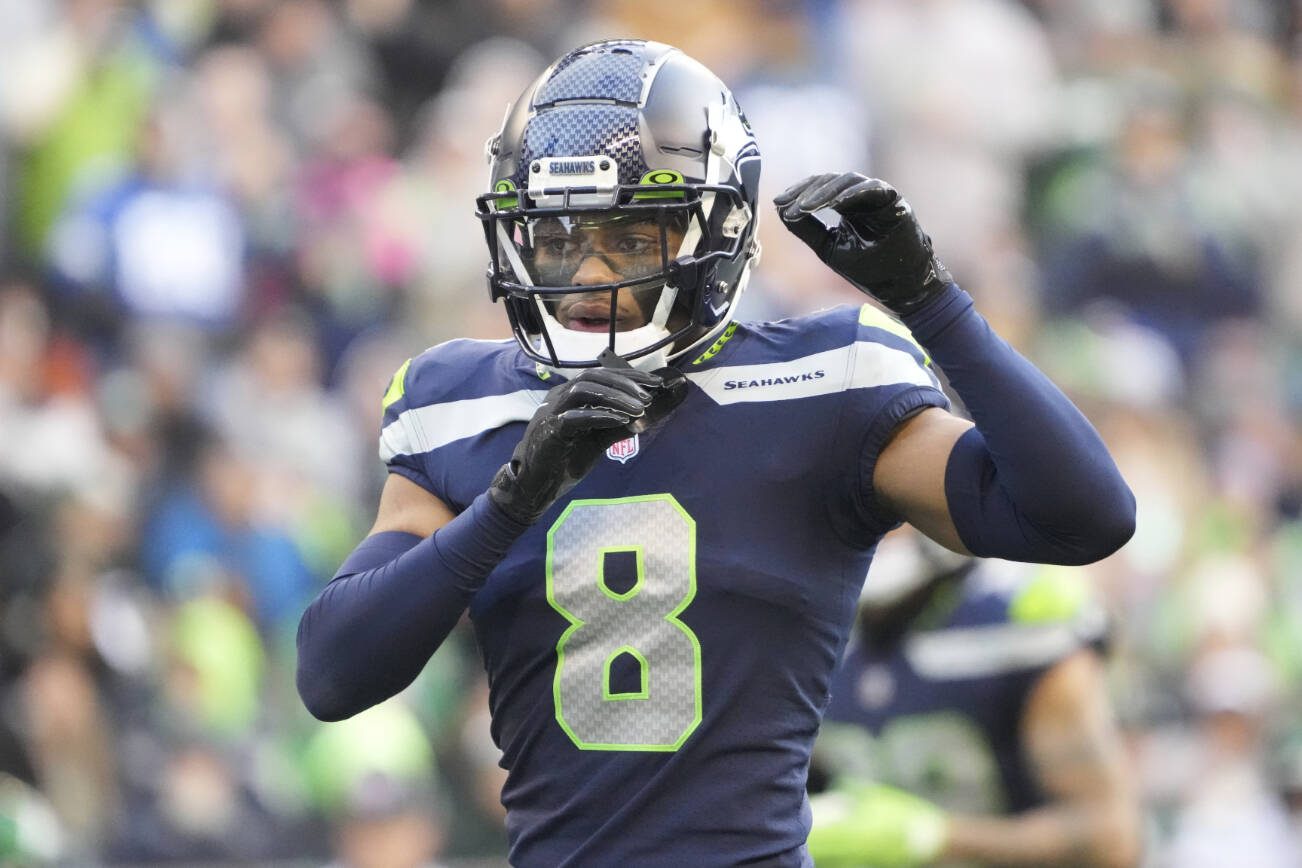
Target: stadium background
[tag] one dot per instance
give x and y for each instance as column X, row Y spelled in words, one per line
column 225, row 224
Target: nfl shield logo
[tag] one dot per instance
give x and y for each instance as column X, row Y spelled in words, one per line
column 623, row 450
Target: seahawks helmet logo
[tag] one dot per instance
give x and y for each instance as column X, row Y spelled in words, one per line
column 572, row 167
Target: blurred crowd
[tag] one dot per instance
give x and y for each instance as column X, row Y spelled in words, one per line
column 226, row 223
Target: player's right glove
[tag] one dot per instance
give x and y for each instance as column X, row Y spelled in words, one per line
column 877, row 245
column 875, row 825
column 577, row 421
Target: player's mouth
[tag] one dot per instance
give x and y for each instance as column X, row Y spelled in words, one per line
column 594, row 316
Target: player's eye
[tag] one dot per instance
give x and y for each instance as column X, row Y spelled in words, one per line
column 636, row 245
column 556, row 246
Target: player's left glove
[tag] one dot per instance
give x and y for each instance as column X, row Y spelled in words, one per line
column 877, row 825
column 877, row 245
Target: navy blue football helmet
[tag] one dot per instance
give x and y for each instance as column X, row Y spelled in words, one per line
column 634, row 153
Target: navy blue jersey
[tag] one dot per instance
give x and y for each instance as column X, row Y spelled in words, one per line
column 660, row 644
column 939, row 714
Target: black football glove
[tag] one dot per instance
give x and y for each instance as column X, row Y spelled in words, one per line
column 577, row 421
column 877, row 245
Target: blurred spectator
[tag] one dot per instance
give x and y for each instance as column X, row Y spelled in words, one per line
column 965, row 123
column 45, row 412
column 1232, row 816
column 374, row 775
column 270, row 406
column 29, row 831
column 1132, row 228
column 205, row 534
column 387, row 824
column 351, row 265
column 192, row 791
column 413, row 45
column 160, row 242
column 86, row 76
column 444, row 167
column 315, row 67
column 247, row 155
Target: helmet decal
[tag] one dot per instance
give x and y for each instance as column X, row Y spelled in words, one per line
column 506, row 185
column 660, row 177
column 615, row 76
column 585, row 129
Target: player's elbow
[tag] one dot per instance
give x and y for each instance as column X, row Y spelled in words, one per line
column 323, row 695
column 1110, row 524
column 1095, row 525
column 1084, row 539
column 320, row 683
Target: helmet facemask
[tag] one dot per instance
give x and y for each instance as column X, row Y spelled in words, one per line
column 609, row 273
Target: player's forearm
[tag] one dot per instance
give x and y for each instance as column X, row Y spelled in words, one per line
column 397, row 597
column 1033, row 481
column 1078, row 835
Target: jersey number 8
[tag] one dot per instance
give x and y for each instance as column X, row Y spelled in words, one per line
column 637, row 626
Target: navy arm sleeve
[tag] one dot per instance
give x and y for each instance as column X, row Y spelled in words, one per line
column 1033, row 480
column 393, row 602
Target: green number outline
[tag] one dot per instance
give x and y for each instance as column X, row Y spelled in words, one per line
column 577, row 623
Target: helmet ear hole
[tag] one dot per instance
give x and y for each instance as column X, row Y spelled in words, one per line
column 711, row 302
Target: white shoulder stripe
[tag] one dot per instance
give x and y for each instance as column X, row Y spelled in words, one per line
column 880, row 365
column 422, row 429
column 994, row 649
column 859, row 365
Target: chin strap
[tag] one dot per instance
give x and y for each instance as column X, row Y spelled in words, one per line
column 650, row 362
column 570, row 344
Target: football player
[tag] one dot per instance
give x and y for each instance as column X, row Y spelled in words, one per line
column 970, row 722
column 658, row 517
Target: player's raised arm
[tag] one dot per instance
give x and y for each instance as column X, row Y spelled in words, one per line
column 398, row 595
column 1032, row 480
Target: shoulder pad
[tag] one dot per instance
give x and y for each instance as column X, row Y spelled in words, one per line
column 454, row 370
column 397, row 386
column 877, row 325
column 455, row 390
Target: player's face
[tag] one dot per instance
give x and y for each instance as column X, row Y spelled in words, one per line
column 603, row 252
